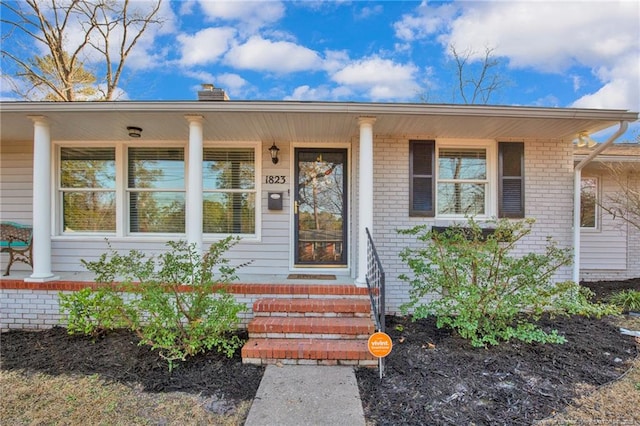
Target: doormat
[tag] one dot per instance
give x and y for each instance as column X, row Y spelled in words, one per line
column 310, row 277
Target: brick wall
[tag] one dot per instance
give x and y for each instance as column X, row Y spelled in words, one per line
column 548, row 199
column 36, row 305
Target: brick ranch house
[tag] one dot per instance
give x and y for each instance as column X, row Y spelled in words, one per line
column 299, row 182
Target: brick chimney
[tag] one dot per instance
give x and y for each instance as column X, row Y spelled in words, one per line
column 211, row 93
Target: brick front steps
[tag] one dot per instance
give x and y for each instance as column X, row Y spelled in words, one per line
column 328, row 331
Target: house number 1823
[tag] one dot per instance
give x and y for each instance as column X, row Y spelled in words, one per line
column 275, row 179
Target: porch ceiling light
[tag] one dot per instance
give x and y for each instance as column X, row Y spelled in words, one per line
column 274, row 153
column 134, row 132
column 585, row 140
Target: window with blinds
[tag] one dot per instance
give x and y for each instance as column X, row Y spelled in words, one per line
column 458, row 179
column 87, row 190
column 229, row 185
column 156, row 190
column 462, row 181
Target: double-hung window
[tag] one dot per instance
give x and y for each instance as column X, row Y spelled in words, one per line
column 462, row 181
column 156, row 190
column 87, row 190
column 450, row 179
column 229, row 184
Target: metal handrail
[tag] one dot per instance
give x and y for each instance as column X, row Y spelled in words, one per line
column 375, row 278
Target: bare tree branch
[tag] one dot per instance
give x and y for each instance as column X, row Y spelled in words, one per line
column 476, row 88
column 625, row 202
column 63, row 69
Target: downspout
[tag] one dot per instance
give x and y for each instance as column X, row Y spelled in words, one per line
column 577, row 176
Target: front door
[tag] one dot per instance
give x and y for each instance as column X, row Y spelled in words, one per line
column 320, row 207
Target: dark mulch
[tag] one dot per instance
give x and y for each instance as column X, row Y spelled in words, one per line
column 118, row 357
column 604, row 289
column 432, row 376
column 435, row 377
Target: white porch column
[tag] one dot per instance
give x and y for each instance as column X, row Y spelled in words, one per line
column 365, row 194
column 41, row 201
column 193, row 213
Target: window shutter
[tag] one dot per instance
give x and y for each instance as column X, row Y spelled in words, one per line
column 511, row 179
column 421, row 179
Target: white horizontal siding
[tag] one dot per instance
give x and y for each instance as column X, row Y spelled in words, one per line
column 607, row 247
column 16, row 182
column 269, row 255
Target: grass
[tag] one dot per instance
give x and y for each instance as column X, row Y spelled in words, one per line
column 628, row 300
column 34, row 399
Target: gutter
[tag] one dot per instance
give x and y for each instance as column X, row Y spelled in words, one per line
column 577, row 176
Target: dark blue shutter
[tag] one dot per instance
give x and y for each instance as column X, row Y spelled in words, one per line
column 511, row 179
column 421, row 178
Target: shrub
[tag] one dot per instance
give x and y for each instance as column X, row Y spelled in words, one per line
column 627, row 300
column 175, row 303
column 468, row 278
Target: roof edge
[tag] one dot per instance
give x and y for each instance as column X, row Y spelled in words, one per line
column 354, row 108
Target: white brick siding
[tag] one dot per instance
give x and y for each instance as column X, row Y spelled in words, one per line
column 548, row 199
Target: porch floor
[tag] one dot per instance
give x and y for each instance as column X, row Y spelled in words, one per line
column 306, row 278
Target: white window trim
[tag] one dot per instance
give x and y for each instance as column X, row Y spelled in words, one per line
column 490, row 202
column 122, row 233
column 126, row 207
column 257, row 147
column 57, row 205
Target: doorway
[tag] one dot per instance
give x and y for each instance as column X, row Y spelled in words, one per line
column 320, row 207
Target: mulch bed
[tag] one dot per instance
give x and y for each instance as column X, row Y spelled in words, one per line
column 117, row 356
column 604, row 289
column 432, row 375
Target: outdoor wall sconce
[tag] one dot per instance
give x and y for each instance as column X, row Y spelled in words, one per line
column 585, row 140
column 134, row 132
column 274, row 153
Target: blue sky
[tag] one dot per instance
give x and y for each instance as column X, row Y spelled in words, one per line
column 551, row 53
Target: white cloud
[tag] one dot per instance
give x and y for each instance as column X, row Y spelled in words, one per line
column 427, row 20
column 203, row 77
column 272, row 56
column 205, row 46
column 231, row 82
column 549, row 36
column 335, row 60
column 380, row 79
column 306, row 93
column 186, row 7
column 367, row 12
column 252, row 15
column 553, row 37
column 621, row 88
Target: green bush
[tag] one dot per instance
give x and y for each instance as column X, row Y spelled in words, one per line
column 471, row 282
column 627, row 300
column 92, row 312
column 175, row 303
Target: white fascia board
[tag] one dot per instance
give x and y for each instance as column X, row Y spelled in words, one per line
column 321, row 107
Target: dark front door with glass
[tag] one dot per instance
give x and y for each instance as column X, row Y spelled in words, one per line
column 320, row 207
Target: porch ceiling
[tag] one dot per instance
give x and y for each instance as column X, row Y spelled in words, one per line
column 299, row 121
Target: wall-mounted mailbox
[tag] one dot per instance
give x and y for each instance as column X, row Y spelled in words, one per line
column 275, row 200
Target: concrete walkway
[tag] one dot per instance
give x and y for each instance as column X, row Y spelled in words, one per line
column 307, row 395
